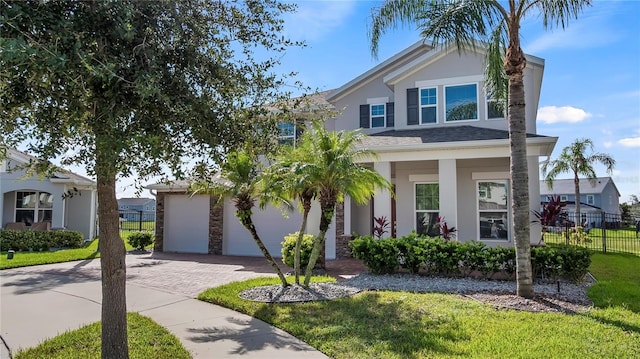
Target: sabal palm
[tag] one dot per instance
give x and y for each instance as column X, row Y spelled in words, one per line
column 330, row 166
column 497, row 24
column 238, row 180
column 573, row 159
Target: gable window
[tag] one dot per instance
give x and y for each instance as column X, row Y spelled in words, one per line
column 461, row 102
column 427, row 206
column 32, row 207
column 493, row 210
column 377, row 116
column 590, row 199
column 428, row 105
column 496, row 109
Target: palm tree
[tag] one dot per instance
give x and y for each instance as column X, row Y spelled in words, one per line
column 238, row 179
column 496, row 23
column 330, row 167
column 286, row 179
column 573, row 159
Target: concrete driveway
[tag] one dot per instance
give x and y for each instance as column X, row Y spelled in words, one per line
column 40, row 302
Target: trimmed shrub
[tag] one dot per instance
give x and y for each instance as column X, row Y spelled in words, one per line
column 442, row 257
column 289, row 247
column 379, row 255
column 411, row 252
column 560, row 261
column 140, row 240
column 39, row 240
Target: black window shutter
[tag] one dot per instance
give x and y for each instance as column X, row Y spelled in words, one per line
column 412, row 106
column 390, row 115
column 364, row 116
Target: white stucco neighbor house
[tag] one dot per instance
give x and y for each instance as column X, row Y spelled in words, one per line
column 440, row 139
column 34, row 201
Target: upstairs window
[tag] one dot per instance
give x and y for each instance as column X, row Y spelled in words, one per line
column 590, row 199
column 287, row 133
column 461, row 102
column 564, row 198
column 428, row 105
column 377, row 116
column 496, row 109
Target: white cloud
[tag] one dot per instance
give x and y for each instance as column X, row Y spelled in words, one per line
column 630, row 142
column 315, row 19
column 568, row 114
column 608, row 144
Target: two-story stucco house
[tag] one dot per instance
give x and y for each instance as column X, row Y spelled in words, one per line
column 440, row 140
column 33, row 201
column 596, row 198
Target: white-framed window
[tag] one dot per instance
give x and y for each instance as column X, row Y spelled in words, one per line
column 377, row 117
column 428, row 105
column 33, row 206
column 493, row 210
column 496, row 109
column 286, row 133
column 564, row 198
column 461, row 102
column 590, row 199
column 427, row 209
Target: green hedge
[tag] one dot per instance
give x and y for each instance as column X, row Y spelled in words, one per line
column 39, row 240
column 439, row 257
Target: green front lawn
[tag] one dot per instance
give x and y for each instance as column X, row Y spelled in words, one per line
column 25, row 259
column 618, row 240
column 388, row 324
column 147, row 339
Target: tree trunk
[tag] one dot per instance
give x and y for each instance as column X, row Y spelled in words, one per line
column 112, row 263
column 247, row 222
column 576, row 184
column 303, row 229
column 318, row 244
column 514, row 65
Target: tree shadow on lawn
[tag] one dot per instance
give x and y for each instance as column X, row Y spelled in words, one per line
column 367, row 323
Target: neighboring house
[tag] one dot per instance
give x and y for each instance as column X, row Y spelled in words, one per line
column 132, row 209
column 441, row 141
column 602, row 196
column 32, row 200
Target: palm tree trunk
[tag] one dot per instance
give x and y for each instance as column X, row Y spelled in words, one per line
column 303, row 229
column 514, row 65
column 114, row 270
column 247, row 222
column 576, row 184
column 325, row 221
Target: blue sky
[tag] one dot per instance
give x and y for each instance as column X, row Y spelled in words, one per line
column 591, row 84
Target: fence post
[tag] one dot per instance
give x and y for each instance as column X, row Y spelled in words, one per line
column 604, row 232
column 139, row 220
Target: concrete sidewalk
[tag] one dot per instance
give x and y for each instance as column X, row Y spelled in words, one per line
column 40, row 302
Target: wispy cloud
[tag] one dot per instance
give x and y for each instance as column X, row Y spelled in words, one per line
column 629, row 142
column 566, row 114
column 316, row 19
column 580, row 35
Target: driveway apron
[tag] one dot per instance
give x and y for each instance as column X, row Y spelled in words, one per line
column 41, row 302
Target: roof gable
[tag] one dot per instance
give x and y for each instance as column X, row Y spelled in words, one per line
column 62, row 176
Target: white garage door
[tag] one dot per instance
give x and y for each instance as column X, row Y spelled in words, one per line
column 186, row 224
column 270, row 224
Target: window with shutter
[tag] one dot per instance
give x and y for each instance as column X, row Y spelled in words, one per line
column 390, row 114
column 364, row 116
column 412, row 106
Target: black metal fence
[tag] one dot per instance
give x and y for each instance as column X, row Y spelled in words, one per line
column 598, row 231
column 136, row 220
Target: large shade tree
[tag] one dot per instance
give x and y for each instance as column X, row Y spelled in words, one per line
column 134, row 87
column 577, row 159
column 497, row 25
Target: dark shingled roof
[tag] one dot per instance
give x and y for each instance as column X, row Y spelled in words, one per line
column 436, row 134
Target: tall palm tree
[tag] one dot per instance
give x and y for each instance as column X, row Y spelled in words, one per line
column 496, row 23
column 573, row 159
column 238, row 179
column 330, row 167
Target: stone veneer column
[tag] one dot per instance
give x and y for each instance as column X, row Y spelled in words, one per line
column 158, row 242
column 216, row 229
column 342, row 239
